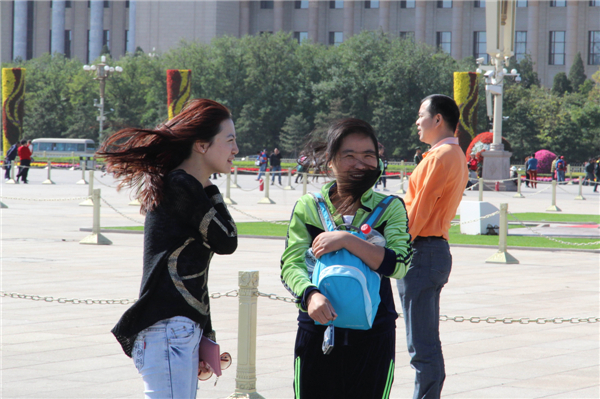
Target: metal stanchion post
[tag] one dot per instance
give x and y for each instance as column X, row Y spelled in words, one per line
column 553, row 207
column 266, row 199
column 580, row 196
column 83, row 165
column 96, row 238
column 49, row 179
column 304, row 183
column 227, row 198
column 401, row 189
column 502, row 256
column 289, row 186
column 245, row 376
column 13, row 165
column 570, row 173
column 480, row 189
column 235, row 183
column 518, row 194
column 72, row 161
column 89, row 201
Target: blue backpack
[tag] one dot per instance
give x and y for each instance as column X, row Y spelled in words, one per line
column 347, row 282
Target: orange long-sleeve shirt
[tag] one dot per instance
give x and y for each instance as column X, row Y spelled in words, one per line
column 435, row 190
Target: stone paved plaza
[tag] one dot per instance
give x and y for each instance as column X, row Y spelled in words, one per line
column 54, row 350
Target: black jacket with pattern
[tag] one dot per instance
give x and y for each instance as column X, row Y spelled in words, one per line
column 180, row 237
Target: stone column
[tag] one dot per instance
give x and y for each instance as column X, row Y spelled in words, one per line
column 96, row 29
column 313, row 21
column 420, row 14
column 58, row 27
column 244, row 18
column 457, row 27
column 571, row 34
column 277, row 16
column 20, row 30
column 532, row 30
column 348, row 19
column 132, row 11
column 384, row 16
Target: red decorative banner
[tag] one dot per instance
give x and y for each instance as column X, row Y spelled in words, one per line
column 178, row 89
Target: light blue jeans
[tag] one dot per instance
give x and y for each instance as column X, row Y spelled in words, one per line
column 166, row 355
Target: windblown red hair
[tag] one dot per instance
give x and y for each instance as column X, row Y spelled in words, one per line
column 141, row 158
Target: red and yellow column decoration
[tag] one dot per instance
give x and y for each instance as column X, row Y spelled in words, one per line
column 178, row 89
column 13, row 106
column 466, row 94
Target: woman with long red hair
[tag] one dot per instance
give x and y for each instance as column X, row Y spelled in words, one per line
column 186, row 223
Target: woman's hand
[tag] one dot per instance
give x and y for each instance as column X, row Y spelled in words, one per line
column 330, row 241
column 319, row 308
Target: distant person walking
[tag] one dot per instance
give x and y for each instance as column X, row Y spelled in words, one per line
column 597, row 170
column 589, row 172
column 531, row 166
column 561, row 168
column 25, row 161
column 418, row 156
column 263, row 163
column 435, row 190
column 275, row 162
column 11, row 155
column 186, row 224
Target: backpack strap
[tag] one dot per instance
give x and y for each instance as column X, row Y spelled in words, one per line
column 379, row 210
column 323, row 211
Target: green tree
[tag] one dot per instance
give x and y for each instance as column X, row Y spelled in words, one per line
column 561, row 84
column 577, row 73
column 293, row 134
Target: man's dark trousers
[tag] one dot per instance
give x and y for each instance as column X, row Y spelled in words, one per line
column 420, row 295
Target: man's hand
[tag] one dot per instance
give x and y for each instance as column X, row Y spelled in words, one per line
column 319, row 308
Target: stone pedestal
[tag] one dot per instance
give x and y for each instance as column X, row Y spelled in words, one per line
column 496, row 166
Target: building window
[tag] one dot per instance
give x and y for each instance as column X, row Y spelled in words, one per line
column 409, row 35
column 407, row 4
column 107, row 4
column 594, row 3
column 336, row 4
column 558, row 3
column 87, row 48
column 300, row 36
column 106, row 38
column 594, row 52
column 479, row 46
column 67, row 4
column 265, row 32
column 444, row 4
column 372, row 4
column 557, row 48
column 479, row 4
column 444, row 41
column 50, row 42
column 520, row 44
column 522, row 3
column 266, row 5
column 298, row 5
column 126, row 3
column 336, row 38
column 126, row 40
column 68, row 41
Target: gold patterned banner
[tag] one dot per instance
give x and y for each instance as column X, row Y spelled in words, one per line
column 13, row 106
column 466, row 94
column 178, row 89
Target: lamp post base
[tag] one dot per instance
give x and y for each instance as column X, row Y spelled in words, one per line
column 496, row 166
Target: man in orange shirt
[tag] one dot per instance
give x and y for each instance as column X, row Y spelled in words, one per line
column 434, row 192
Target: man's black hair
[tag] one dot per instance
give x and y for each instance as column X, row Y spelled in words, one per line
column 23, row 141
column 445, row 106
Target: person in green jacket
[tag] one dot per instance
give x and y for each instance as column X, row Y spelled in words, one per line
column 361, row 364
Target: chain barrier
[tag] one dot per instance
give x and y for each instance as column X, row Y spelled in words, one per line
column 257, row 218
column 275, row 297
column 478, row 219
column 46, row 199
column 541, row 191
column 577, row 244
column 104, row 184
column 121, row 213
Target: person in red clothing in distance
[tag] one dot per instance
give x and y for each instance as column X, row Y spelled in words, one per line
column 25, row 161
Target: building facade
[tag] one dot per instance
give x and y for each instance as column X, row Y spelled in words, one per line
column 552, row 32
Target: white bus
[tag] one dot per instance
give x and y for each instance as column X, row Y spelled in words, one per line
column 53, row 148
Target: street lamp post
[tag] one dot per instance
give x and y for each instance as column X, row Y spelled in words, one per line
column 101, row 72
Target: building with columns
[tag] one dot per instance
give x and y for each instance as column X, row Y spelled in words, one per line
column 553, row 32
